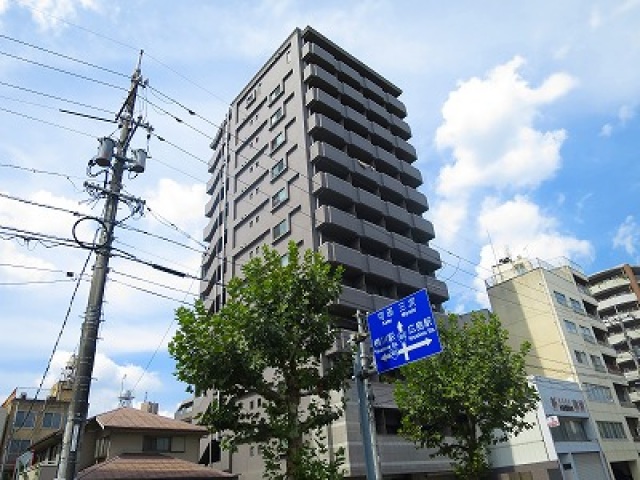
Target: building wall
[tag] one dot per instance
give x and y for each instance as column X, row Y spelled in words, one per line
column 551, row 307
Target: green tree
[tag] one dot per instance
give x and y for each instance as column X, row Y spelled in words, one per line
column 268, row 342
column 472, row 395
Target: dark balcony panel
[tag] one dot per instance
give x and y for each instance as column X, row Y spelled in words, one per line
column 333, row 190
column 212, row 183
column 364, row 175
column 429, row 256
column 410, row 175
column 350, row 259
column 356, row 122
column 400, row 128
column 396, row 107
column 210, row 229
column 329, row 159
column 349, row 75
column 437, row 290
column 316, row 76
column 312, row 53
column 393, row 188
column 406, row 247
column 405, row 151
column 359, row 146
column 353, row 98
column 382, row 136
column 397, row 215
column 374, row 91
column 337, row 223
column 411, row 278
column 382, row 269
column 208, row 208
column 321, row 102
column 416, row 201
column 374, row 234
column 324, row 129
column 356, row 299
column 370, row 202
column 377, row 113
column 379, row 302
column 422, row 229
column 386, row 162
column 205, row 287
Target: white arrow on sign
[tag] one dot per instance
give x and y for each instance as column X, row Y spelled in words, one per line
column 406, row 349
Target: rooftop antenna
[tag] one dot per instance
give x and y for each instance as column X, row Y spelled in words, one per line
column 126, row 396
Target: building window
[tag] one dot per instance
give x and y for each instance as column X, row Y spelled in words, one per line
column 576, row 305
column 581, row 357
column 570, row 326
column 251, row 98
column 587, row 334
column 281, row 229
column 569, row 430
column 560, row 298
column 278, row 168
column 611, row 430
column 25, row 419
column 280, row 197
column 102, row 447
column 275, row 93
column 388, row 421
column 163, row 444
column 276, row 117
column 597, row 362
column 17, row 448
column 51, row 420
column 598, row 393
column 277, row 141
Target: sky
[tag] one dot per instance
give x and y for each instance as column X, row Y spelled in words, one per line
column 524, row 116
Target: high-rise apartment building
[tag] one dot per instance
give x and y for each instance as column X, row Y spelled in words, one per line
column 618, row 294
column 315, row 149
column 552, row 307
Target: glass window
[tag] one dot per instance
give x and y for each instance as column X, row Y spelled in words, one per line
column 251, row 98
column 569, row 430
column 280, row 197
column 281, row 229
column 276, row 117
column 560, row 298
column 25, row 419
column 570, row 326
column 576, row 305
column 275, row 93
column 156, row 444
column 598, row 393
column 587, row 334
column 278, row 168
column 51, row 420
column 611, row 430
column 597, row 362
column 277, row 141
column 581, row 357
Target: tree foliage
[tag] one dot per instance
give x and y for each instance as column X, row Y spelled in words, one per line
column 472, row 395
column 268, row 342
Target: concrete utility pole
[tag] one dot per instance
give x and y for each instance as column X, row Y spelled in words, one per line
column 79, row 406
column 361, row 371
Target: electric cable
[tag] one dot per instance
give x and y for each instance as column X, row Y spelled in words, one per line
column 46, row 122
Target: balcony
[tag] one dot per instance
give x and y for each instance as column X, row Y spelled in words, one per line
column 410, row 175
column 634, row 396
column 313, row 53
column 624, row 357
column 337, row 223
column 321, row 102
column 617, row 300
column 317, row 76
column 609, row 284
column 396, row 106
column 348, row 74
column 437, row 289
column 617, row 339
column 632, row 375
column 340, row 192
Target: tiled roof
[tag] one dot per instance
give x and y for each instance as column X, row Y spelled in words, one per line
column 133, row 466
column 132, row 418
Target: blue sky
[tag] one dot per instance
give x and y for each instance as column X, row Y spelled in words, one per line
column 525, row 118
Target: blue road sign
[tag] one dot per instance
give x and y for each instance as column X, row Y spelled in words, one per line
column 403, row 332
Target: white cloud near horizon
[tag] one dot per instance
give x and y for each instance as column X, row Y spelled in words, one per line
column 627, row 236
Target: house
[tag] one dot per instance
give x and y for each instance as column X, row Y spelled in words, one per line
column 127, row 443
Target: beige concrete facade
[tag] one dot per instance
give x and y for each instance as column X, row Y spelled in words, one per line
column 551, row 307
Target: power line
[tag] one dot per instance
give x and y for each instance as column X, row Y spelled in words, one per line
column 46, row 122
column 61, row 55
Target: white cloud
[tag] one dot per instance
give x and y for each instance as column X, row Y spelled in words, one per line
column 50, row 14
column 606, row 130
column 625, row 113
column 488, row 127
column 627, row 236
column 179, row 203
column 519, row 227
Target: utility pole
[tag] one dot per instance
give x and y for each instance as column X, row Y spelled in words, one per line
column 361, row 371
column 79, row 406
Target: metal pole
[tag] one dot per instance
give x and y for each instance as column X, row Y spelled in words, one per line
column 367, row 419
column 79, row 406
